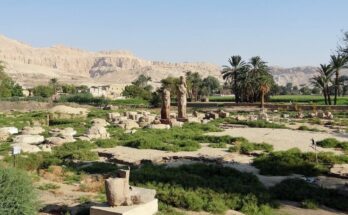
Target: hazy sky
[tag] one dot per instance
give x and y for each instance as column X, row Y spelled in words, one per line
column 283, row 32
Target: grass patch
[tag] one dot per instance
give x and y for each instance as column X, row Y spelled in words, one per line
column 253, row 124
column 48, row 186
column 306, row 128
column 187, row 138
column 293, row 161
column 218, row 145
column 245, row 147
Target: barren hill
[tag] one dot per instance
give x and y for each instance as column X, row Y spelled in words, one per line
column 31, row 66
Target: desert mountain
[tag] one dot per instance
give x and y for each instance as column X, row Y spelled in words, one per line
column 31, row 66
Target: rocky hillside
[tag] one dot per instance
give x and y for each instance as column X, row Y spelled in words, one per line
column 32, row 66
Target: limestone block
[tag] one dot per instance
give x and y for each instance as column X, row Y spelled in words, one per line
column 149, row 208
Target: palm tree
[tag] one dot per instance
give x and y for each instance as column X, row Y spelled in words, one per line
column 265, row 83
column 338, row 62
column 323, row 81
column 318, row 81
column 231, row 73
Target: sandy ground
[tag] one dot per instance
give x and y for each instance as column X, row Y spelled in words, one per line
column 135, row 156
column 292, row 208
column 283, row 139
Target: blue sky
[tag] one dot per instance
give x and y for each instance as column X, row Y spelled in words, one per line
column 283, row 32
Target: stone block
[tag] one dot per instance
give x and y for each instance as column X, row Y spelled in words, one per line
column 149, row 208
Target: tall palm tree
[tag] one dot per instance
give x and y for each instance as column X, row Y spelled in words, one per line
column 323, row 81
column 265, row 83
column 231, row 73
column 338, row 62
column 318, row 81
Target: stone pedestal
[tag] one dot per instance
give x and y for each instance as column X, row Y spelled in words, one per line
column 149, row 208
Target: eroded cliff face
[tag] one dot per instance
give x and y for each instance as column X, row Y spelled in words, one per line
column 31, row 66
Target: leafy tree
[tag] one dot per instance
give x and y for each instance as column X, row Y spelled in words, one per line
column 139, row 88
column 194, row 84
column 43, row 91
column 211, row 84
column 8, row 87
column 69, row 88
column 170, row 83
column 142, row 81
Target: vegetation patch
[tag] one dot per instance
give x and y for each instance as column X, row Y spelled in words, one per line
column 253, row 124
column 310, row 195
column 333, row 143
column 293, row 161
column 204, row 187
column 245, row 147
column 17, row 194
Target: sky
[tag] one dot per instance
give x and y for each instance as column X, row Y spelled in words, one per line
column 283, row 32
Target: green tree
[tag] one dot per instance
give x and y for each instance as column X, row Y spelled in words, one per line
column 338, row 62
column 265, row 83
column 8, row 87
column 324, row 81
column 142, row 81
column 211, row 84
column 54, row 84
column 231, row 73
column 194, row 83
column 43, row 91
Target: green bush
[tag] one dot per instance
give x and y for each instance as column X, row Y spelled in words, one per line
column 202, row 187
column 245, row 147
column 301, row 191
column 43, row 91
column 294, row 161
column 17, row 194
column 333, row 143
column 106, row 143
column 218, row 145
column 306, row 128
column 253, row 124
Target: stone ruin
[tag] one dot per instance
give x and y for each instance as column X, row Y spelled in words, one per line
column 182, row 99
column 125, row 199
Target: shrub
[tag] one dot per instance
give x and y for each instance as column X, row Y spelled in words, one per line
column 218, row 145
column 17, row 194
column 301, row 191
column 306, row 128
column 294, row 161
column 201, row 187
column 245, row 147
column 333, row 143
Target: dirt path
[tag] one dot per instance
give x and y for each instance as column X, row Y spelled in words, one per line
column 282, row 139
